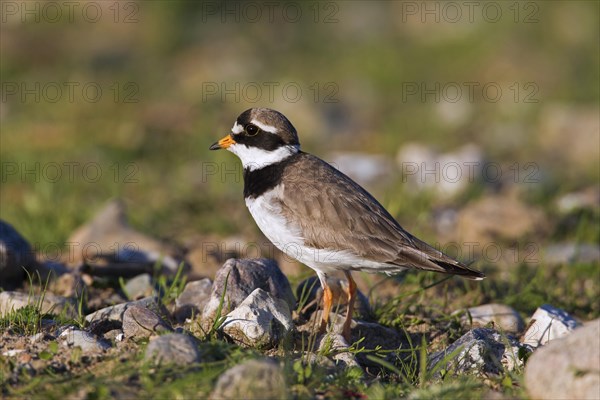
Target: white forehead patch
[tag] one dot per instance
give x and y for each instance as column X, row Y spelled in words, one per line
column 237, row 128
column 264, row 127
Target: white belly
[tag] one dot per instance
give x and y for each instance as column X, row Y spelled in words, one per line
column 267, row 214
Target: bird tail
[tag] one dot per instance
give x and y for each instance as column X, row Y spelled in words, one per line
column 458, row 268
column 432, row 259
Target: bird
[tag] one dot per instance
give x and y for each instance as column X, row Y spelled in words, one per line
column 317, row 215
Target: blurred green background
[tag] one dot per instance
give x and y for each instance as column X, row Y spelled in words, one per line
column 110, row 99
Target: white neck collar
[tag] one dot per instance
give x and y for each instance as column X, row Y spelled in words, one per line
column 254, row 158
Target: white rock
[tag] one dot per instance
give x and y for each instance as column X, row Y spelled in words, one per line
column 454, row 113
column 337, row 345
column 459, row 169
column 480, row 351
column 569, row 253
column 260, row 320
column 12, row 353
column 238, row 278
column 252, row 379
column 445, row 174
column 415, row 153
column 173, row 348
column 549, row 323
column 38, row 337
column 58, row 305
column 569, row 134
column 115, row 313
column 588, row 198
column 363, row 168
column 139, row 287
column 567, row 368
column 87, row 341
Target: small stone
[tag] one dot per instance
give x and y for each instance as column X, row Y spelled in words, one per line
column 570, row 253
column 588, row 198
column 88, row 342
column 480, row 351
column 139, row 322
column 114, row 335
column 192, row 300
column 38, row 337
column 13, row 352
column 371, row 336
column 361, row 167
column 458, row 169
column 68, row 284
column 549, row 323
column 412, row 156
column 139, row 287
column 15, row 254
column 246, row 275
column 445, row 220
column 259, row 321
column 253, row 379
column 568, row 133
column 337, row 345
column 174, row 348
column 484, row 220
column 115, row 313
column 504, row 317
column 567, row 368
column 50, row 304
column 127, row 251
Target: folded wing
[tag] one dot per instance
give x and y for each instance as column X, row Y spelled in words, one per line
column 352, row 220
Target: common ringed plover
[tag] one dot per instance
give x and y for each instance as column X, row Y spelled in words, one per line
column 319, row 216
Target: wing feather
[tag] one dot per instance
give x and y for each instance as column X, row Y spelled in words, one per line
column 335, row 213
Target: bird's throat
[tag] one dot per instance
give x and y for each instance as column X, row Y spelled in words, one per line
column 261, row 180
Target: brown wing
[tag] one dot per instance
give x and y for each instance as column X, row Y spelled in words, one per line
column 338, row 214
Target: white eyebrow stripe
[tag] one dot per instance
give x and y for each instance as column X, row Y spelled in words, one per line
column 237, row 128
column 264, row 127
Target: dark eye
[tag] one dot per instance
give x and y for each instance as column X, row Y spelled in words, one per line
column 252, row 130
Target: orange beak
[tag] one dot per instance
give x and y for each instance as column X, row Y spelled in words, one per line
column 223, row 143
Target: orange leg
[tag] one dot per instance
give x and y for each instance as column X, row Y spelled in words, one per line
column 351, row 297
column 327, row 303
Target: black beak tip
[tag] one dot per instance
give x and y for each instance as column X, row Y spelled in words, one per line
column 215, row 146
